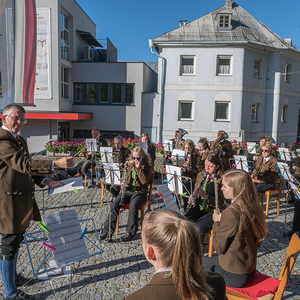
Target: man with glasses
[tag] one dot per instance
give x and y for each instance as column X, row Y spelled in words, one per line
column 18, row 174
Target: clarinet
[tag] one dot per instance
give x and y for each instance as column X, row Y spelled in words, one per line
column 125, row 183
column 216, row 196
column 193, row 199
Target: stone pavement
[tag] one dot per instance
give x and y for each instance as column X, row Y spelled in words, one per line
column 121, row 268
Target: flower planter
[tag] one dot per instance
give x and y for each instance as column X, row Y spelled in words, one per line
column 60, row 154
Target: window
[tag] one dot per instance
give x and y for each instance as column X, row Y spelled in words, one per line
column 78, row 92
column 284, row 113
column 128, row 93
column 64, row 35
column 287, row 73
column 222, row 111
column 224, row 65
column 187, row 65
column 104, row 93
column 116, row 93
column 91, row 93
column 185, row 110
column 256, row 69
column 254, row 112
column 64, row 83
column 223, row 21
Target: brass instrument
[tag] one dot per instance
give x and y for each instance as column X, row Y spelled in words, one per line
column 270, row 139
column 182, row 132
column 216, row 143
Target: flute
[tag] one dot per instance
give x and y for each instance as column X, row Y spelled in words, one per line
column 216, row 196
column 193, row 199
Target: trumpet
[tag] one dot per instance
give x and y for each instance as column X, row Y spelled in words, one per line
column 193, row 199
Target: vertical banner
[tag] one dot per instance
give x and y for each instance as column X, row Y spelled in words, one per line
column 43, row 84
column 30, row 52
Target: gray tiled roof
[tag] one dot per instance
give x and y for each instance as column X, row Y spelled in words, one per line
column 245, row 29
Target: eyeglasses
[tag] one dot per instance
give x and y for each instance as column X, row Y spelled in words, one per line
column 138, row 157
column 24, row 121
column 264, row 150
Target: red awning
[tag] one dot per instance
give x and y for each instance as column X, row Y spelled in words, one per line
column 57, row 116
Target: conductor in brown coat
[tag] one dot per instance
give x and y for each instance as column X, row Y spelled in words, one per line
column 18, row 174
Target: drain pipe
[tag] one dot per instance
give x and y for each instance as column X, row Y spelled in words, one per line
column 151, row 45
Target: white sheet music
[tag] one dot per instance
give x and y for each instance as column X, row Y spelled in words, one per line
column 251, row 147
column 106, row 154
column 64, row 236
column 241, row 162
column 285, row 171
column 143, row 145
column 91, row 145
column 168, row 145
column 71, row 184
column 177, row 156
column 284, row 154
column 171, row 171
column 168, row 197
column 112, row 173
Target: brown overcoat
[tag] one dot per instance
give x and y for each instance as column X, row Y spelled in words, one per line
column 18, row 174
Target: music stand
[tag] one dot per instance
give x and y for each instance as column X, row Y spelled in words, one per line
column 91, row 147
column 168, row 197
column 168, row 145
column 106, row 154
column 241, row 163
column 284, row 154
column 178, row 156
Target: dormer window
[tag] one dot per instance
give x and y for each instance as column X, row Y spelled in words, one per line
column 224, row 20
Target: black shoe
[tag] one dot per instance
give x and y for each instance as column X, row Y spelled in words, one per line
column 103, row 236
column 20, row 296
column 23, row 281
column 289, row 233
column 127, row 237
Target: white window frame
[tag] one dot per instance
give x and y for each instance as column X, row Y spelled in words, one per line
column 65, row 83
column 258, row 75
column 284, row 113
column 192, row 110
column 185, row 72
column 219, row 57
column 287, row 73
column 64, row 42
column 228, row 112
column 255, row 115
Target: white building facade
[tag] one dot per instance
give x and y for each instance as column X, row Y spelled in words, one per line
column 227, row 71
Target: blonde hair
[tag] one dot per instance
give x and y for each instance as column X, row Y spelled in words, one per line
column 143, row 153
column 147, row 137
column 246, row 198
column 191, row 144
column 179, row 247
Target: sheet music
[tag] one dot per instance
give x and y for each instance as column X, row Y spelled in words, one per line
column 71, row 184
column 285, row 171
column 64, row 236
column 143, row 145
column 251, row 147
column 284, row 154
column 106, row 154
column 177, row 155
column 241, row 162
column 171, row 171
column 112, row 173
column 168, row 145
column 91, row 145
column 168, row 197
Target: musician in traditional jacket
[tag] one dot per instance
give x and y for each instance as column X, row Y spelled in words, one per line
column 138, row 174
column 90, row 162
column 176, row 142
column 151, row 148
column 120, row 155
column 203, row 151
column 18, row 174
column 201, row 212
column 266, row 171
column 190, row 168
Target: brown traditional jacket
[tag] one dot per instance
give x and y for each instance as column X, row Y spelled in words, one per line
column 203, row 158
column 226, row 147
column 269, row 173
column 151, row 152
column 161, row 287
column 18, row 174
column 123, row 155
column 142, row 176
column 195, row 164
column 237, row 247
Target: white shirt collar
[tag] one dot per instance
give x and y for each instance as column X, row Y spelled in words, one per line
column 163, row 270
column 5, row 128
column 268, row 158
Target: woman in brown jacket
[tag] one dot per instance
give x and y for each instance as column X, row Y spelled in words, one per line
column 151, row 148
column 138, row 175
column 203, row 151
column 237, row 231
column 172, row 245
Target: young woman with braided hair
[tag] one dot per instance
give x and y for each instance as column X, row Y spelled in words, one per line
column 238, row 231
column 172, row 245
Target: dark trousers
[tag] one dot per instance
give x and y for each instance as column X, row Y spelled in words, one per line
column 231, row 279
column 135, row 200
column 261, row 187
column 203, row 220
column 10, row 244
column 115, row 189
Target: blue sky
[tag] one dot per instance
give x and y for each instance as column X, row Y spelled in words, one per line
column 129, row 24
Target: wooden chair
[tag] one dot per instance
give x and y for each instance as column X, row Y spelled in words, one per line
column 142, row 207
column 265, row 287
column 276, row 191
column 209, row 241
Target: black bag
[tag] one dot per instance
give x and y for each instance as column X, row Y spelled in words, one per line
column 59, row 174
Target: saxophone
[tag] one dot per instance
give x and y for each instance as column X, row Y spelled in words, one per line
column 193, row 199
column 125, row 184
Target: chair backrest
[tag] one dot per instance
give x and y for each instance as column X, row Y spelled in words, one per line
column 151, row 182
column 292, row 254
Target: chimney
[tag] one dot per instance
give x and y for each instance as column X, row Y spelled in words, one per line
column 184, row 22
column 228, row 4
column 180, row 23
